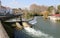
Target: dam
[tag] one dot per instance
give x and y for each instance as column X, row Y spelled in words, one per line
column 14, row 21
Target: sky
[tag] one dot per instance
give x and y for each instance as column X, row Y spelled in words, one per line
column 27, row 3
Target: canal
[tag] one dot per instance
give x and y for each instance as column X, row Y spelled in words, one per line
column 41, row 29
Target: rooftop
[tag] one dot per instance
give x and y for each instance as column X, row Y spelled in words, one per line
column 57, row 15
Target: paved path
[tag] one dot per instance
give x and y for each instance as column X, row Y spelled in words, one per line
column 3, row 33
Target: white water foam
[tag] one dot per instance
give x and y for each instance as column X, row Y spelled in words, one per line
column 33, row 21
column 36, row 33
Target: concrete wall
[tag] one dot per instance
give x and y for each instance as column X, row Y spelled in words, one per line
column 3, row 33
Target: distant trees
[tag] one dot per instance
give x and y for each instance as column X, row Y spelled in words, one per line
column 50, row 8
column 36, row 9
column 45, row 14
column 27, row 14
column 58, row 9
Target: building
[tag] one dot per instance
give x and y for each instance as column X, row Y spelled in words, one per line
column 15, row 10
column 9, row 10
column 54, row 17
column 0, row 3
column 4, row 10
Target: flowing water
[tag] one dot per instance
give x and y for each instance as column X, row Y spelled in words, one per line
column 33, row 21
column 41, row 29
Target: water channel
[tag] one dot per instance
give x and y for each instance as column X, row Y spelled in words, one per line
column 41, row 29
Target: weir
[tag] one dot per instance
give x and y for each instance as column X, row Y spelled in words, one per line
column 14, row 20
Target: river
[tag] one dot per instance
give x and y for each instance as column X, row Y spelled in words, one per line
column 41, row 29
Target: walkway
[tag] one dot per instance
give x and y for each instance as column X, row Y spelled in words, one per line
column 3, row 33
